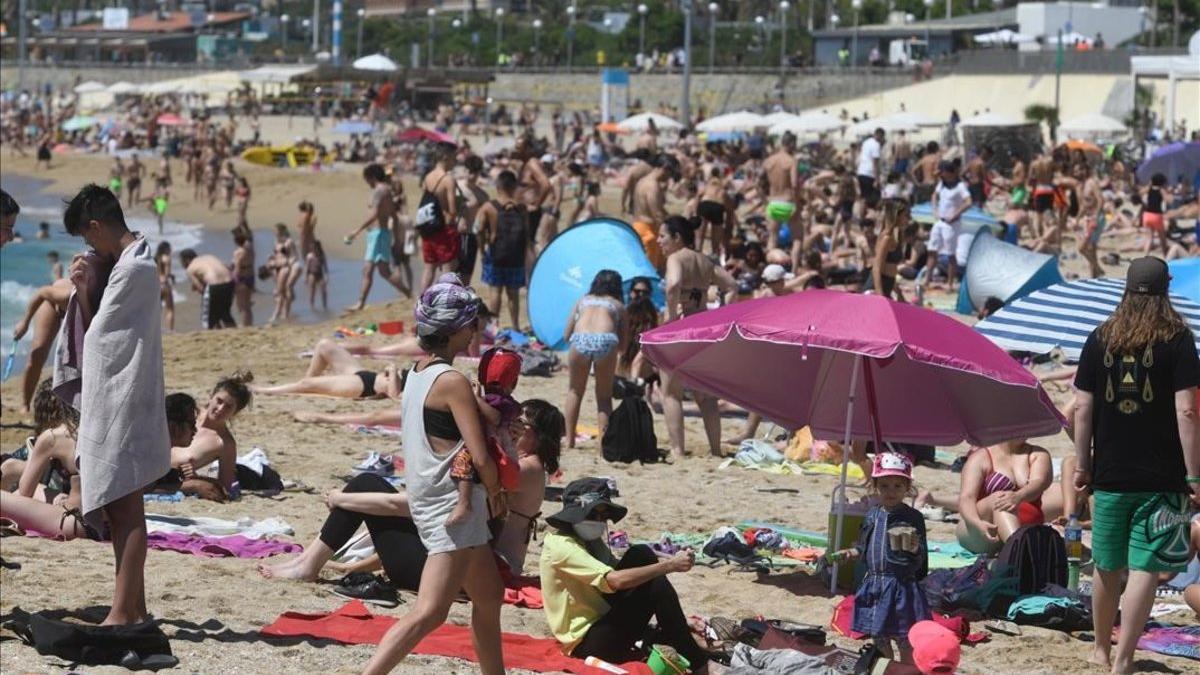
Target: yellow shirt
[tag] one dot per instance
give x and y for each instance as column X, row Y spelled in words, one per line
column 573, row 585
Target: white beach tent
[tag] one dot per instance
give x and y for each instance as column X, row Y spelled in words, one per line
column 807, row 123
column 641, row 122
column 737, row 121
column 377, row 62
column 90, row 87
column 990, row 119
column 1092, row 124
column 779, row 117
column 1004, row 36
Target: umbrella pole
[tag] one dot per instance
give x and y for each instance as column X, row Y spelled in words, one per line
column 841, row 488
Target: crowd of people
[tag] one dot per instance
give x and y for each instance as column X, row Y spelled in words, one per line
column 722, row 222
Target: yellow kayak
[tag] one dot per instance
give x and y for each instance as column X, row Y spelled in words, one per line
column 281, row 156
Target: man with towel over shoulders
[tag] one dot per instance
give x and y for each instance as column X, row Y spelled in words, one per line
column 114, row 345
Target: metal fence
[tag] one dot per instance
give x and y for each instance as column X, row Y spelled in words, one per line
column 1010, row 61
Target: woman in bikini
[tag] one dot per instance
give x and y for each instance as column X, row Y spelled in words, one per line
column 1002, row 488
column 335, row 372
column 596, row 332
column 286, row 264
column 242, row 193
column 712, row 209
column 162, row 258
column 689, row 276
column 213, row 442
column 52, row 447
column 306, row 227
column 242, row 267
column 316, row 275
column 894, row 237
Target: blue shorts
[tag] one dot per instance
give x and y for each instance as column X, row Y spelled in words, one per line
column 594, row 346
column 501, row 277
column 379, row 246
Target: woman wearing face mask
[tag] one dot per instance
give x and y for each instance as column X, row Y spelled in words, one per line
column 597, row 606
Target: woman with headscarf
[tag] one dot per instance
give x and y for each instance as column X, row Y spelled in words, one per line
column 1137, row 446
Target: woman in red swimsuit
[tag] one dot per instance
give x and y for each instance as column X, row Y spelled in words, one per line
column 1002, row 488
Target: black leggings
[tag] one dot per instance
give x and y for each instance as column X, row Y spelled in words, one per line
column 395, row 537
column 613, row 635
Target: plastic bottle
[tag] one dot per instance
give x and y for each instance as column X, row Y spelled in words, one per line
column 1074, row 540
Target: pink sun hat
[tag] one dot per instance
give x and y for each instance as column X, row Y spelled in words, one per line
column 890, row 463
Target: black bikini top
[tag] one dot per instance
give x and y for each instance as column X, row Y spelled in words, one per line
column 438, row 423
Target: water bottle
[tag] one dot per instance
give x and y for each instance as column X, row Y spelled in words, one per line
column 1074, row 537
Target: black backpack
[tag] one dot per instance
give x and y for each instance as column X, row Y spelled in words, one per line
column 630, row 433
column 512, row 235
column 430, row 220
column 1037, row 556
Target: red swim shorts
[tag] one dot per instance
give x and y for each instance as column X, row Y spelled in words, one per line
column 441, row 248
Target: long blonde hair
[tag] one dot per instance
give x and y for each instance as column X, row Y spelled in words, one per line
column 1139, row 322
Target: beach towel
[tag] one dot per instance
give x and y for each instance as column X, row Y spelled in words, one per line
column 235, row 546
column 375, row 429
column 68, row 353
column 216, row 527
column 354, row 624
column 942, row 555
column 123, row 444
column 1172, row 640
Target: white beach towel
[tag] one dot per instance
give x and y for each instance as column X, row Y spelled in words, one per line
column 217, row 527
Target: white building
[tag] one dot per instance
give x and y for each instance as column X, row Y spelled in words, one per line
column 1043, row 20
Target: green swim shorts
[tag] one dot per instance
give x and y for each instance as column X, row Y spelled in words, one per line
column 1146, row 531
column 160, row 205
column 114, row 184
column 780, row 212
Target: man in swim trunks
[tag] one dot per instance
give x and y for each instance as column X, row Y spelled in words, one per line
column 901, row 153
column 379, row 239
column 783, row 181
column 925, row 174
column 650, row 206
column 1091, row 215
column 212, row 280
column 976, row 174
column 1041, row 171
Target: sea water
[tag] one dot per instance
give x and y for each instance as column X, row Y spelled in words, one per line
column 24, row 269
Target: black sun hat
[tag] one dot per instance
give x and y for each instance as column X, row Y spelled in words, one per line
column 587, row 499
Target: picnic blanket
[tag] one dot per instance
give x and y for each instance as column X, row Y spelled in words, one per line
column 1172, row 640
column 942, row 555
column 235, row 546
column 353, row 624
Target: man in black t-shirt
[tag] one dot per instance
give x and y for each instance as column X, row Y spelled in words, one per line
column 1138, row 449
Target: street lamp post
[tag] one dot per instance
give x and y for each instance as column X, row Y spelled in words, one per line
column 686, row 105
column 784, row 5
column 949, row 12
column 284, row 30
column 537, row 37
column 362, row 14
column 499, row 33
column 316, row 26
column 928, row 8
column 713, row 8
column 857, row 5
column 570, row 35
column 432, row 14
column 642, row 11
column 762, row 35
column 21, row 44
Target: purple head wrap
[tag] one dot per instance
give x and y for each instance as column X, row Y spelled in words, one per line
column 446, row 307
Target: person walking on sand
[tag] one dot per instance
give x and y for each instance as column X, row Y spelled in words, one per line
column 503, row 226
column 438, row 215
column 212, row 280
column 379, row 238
column 783, row 180
column 1137, row 446
column 123, row 442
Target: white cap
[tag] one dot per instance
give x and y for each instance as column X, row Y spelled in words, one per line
column 776, row 272
column 548, row 158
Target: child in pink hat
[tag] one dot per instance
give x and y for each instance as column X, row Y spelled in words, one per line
column 892, row 545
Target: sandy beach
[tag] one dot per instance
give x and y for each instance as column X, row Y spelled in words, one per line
column 213, row 608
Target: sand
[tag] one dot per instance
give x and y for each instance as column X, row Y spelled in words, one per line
column 213, row 607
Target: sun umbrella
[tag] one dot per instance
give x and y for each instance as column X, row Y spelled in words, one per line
column 171, row 120
column 1179, row 162
column 1063, row 315
column 124, row 88
column 737, row 121
column 90, row 87
column 779, row 117
column 79, row 122
column 353, row 127
column 417, row 134
column 888, row 123
column 1093, row 123
column 808, row 123
column 1004, row 36
column 611, row 128
column 1076, row 144
column 971, row 221
column 376, row 62
column 1185, row 278
column 641, row 122
column 857, row 367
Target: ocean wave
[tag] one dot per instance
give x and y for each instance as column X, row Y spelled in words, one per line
column 16, row 294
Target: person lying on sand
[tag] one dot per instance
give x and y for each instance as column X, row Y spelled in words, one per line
column 213, row 442
column 63, row 518
column 328, row 351
column 342, row 377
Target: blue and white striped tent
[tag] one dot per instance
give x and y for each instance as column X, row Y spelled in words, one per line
column 1063, row 315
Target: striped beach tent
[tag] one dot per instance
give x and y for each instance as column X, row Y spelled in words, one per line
column 1063, row 315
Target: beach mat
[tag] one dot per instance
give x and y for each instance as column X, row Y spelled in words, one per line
column 1172, row 640
column 942, row 555
column 353, row 624
column 234, row 546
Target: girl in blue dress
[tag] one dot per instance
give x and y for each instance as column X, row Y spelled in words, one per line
column 892, row 544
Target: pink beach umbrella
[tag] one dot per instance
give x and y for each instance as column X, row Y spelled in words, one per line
column 416, row 134
column 859, row 367
column 171, row 120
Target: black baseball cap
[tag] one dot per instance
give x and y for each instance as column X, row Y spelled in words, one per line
column 587, row 499
column 947, row 165
column 1147, row 276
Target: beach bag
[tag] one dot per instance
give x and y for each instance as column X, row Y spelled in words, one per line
column 630, row 434
column 1037, row 556
column 1065, row 614
column 537, row 363
column 430, row 220
column 512, row 238
column 781, row 634
column 249, row 479
column 975, row 587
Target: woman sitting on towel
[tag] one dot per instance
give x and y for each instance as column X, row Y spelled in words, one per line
column 213, row 442
column 372, row 500
column 52, row 449
column 1002, row 488
column 62, row 518
column 598, row 606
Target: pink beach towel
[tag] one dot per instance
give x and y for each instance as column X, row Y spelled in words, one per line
column 234, row 546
